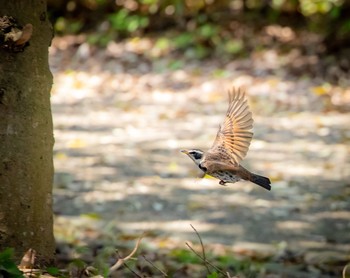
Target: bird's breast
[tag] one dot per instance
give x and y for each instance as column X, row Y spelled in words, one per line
column 226, row 176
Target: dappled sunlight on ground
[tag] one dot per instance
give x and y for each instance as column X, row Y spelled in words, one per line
column 119, row 130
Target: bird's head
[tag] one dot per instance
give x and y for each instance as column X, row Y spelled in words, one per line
column 195, row 155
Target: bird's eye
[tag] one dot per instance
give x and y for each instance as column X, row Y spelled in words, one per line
column 197, row 155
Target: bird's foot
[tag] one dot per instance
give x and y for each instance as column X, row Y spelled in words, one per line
column 222, row 183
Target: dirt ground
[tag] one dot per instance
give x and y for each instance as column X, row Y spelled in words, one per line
column 120, row 123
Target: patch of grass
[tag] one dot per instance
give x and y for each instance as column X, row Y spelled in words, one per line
column 8, row 267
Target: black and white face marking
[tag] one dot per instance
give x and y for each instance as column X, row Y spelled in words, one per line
column 197, row 154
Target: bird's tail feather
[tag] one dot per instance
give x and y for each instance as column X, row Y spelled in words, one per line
column 262, row 181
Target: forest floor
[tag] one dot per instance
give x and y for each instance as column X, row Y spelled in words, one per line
column 121, row 119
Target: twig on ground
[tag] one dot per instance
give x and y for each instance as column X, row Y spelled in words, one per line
column 121, row 261
column 205, row 260
column 345, row 269
column 203, row 250
column 132, row 271
column 152, row 264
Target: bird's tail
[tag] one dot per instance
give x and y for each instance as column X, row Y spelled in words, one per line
column 260, row 180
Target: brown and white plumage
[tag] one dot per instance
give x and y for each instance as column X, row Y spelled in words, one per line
column 234, row 135
column 231, row 145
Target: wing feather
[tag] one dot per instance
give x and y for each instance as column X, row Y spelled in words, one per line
column 214, row 166
column 234, row 135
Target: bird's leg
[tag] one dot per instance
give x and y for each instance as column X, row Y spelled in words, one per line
column 222, row 183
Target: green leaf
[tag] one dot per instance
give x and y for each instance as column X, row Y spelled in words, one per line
column 345, row 27
column 149, row 2
column 208, row 30
column 201, row 51
column 162, row 44
column 335, row 12
column 7, row 254
column 221, row 73
column 144, row 21
column 8, row 266
column 185, row 256
column 133, row 24
column 234, row 46
column 92, row 215
column 184, row 40
column 78, row 263
column 213, row 275
column 176, row 64
column 54, row 271
column 118, row 20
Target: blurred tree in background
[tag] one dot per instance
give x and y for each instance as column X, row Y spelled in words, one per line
column 202, row 25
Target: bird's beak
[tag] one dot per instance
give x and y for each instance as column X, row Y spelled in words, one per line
column 184, row 151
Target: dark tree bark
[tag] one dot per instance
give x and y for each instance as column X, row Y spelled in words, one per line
column 26, row 132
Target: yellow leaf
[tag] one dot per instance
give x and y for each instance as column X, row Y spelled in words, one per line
column 273, row 82
column 164, row 243
column 60, row 156
column 215, row 97
column 173, row 167
column 92, row 215
column 77, row 144
column 321, row 90
column 276, row 177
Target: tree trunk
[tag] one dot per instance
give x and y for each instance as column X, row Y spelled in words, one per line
column 26, row 133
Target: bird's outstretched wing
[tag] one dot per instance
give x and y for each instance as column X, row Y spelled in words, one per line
column 234, row 135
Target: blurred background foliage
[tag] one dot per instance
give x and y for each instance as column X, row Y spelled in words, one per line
column 201, row 28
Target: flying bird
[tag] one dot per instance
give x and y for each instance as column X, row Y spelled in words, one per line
column 231, row 145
